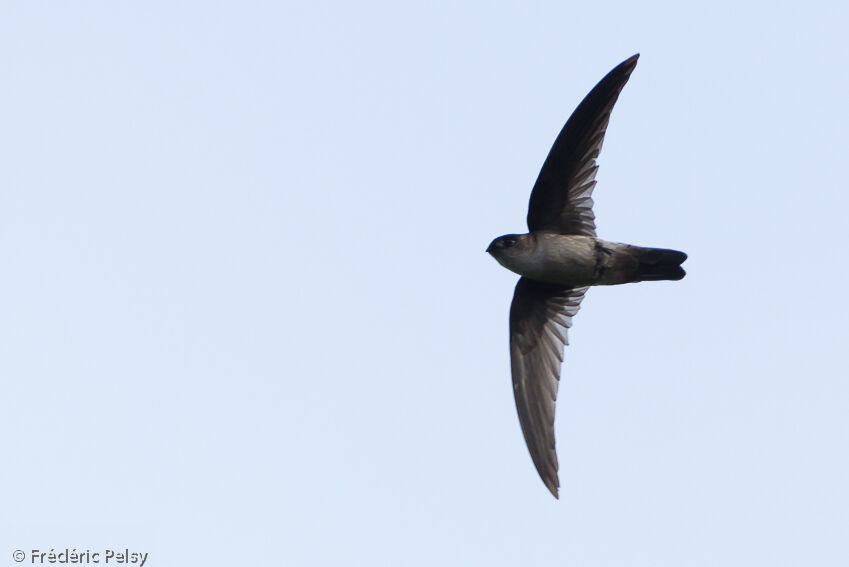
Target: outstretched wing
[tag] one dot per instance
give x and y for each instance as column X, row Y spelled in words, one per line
column 539, row 318
column 561, row 200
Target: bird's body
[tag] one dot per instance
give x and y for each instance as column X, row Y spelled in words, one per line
column 559, row 259
column 578, row 261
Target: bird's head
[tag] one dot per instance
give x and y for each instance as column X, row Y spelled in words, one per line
column 510, row 246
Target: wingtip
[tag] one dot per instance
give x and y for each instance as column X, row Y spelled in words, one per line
column 631, row 61
column 553, row 486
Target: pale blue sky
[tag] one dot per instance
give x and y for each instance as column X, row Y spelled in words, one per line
column 246, row 316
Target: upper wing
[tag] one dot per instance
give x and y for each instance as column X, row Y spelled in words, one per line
column 561, row 200
column 539, row 317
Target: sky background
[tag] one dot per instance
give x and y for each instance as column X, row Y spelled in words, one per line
column 246, row 316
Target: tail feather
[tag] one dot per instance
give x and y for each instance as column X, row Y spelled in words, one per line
column 660, row 264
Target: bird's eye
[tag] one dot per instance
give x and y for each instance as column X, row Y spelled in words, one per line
column 508, row 242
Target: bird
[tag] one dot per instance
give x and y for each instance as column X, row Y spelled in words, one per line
column 559, row 259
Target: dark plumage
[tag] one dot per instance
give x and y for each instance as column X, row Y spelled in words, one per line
column 559, row 259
